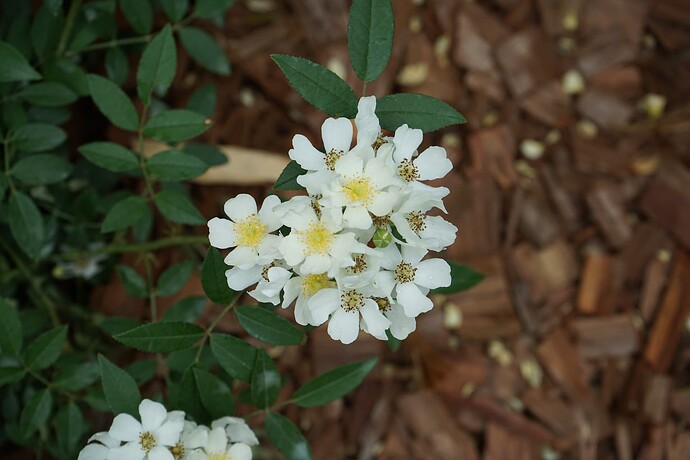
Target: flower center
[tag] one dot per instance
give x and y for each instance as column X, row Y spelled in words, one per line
column 416, row 221
column 351, row 300
column 331, row 158
column 315, row 204
column 264, row 271
column 358, row 189
column 317, row 238
column 404, row 272
column 407, row 170
column 383, row 303
column 219, row 456
column 311, row 284
column 250, row 231
column 378, row 142
column 381, row 221
column 359, row 266
column 147, row 441
column 178, row 451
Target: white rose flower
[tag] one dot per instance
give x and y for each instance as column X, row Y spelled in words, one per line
column 193, row 437
column 428, row 232
column 301, row 288
column 237, row 430
column 271, row 284
column 337, row 138
column 218, row 447
column 401, row 324
column 98, row 447
column 368, row 126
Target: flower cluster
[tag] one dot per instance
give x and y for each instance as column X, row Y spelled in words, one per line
column 163, row 435
column 352, row 251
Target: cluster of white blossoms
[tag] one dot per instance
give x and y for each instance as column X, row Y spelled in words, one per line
column 353, row 251
column 163, row 435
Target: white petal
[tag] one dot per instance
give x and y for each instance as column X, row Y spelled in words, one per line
column 197, row 455
column 169, row 433
column 368, row 127
column 413, row 254
column 304, row 153
column 440, row 232
column 125, row 428
column 221, row 234
column 160, row 453
column 242, row 256
column 268, row 249
column 344, row 326
column 412, row 300
column 130, row 451
column 406, row 141
column 104, row 438
column 239, row 207
column 374, row 319
column 267, row 214
column 390, row 256
column 240, row 452
column 379, row 173
column 383, row 203
column 336, row 134
column 293, row 288
column 433, row 163
column 93, row 452
column 153, row 414
column 292, row 249
column 401, row 324
column 302, row 313
column 343, row 245
column 239, row 279
column 239, row 431
column 433, row 273
column 322, row 304
column 357, row 216
column 349, row 165
column 197, row 438
column 385, row 281
column 316, row 181
column 217, row 441
column 315, row 264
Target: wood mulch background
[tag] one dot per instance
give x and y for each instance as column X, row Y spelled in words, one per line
column 576, row 344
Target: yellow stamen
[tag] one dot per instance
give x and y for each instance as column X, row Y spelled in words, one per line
column 250, row 231
column 404, row 272
column 311, row 284
column 359, row 189
column 317, row 239
column 147, row 441
column 351, row 301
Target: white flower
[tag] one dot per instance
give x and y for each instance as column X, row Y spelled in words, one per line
column 148, row 439
column 272, row 282
column 237, row 430
column 337, row 138
column 98, row 447
column 432, row 163
column 248, row 230
column 368, row 127
column 302, row 288
column 217, row 447
column 401, row 324
column 344, row 306
column 193, row 437
column 411, row 277
column 428, row 232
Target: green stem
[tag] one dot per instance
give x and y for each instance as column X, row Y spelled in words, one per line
column 140, row 152
column 112, row 44
column 141, row 247
column 364, row 89
column 151, row 288
column 215, row 322
column 69, row 25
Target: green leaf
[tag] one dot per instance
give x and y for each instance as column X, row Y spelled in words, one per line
column 76, row 376
column 45, row 31
column 36, row 413
column 265, row 384
column 173, row 165
column 175, row 9
column 120, row 389
column 162, row 337
column 188, row 397
column 46, row 348
column 417, row 110
column 69, row 426
column 134, row 283
column 267, row 326
column 177, row 208
column 319, row 86
column 113, row 103
column 116, row 65
column 14, row 66
column 48, row 94
column 213, row 278
column 37, row 137
column 286, row 437
column 112, row 157
column 215, row 394
column 288, row 178
column 10, row 329
column 186, row 310
column 206, row 153
column 11, row 375
column 203, row 100
column 235, row 356
column 370, row 30
column 42, row 169
column 333, row 384
column 157, row 65
column 173, row 279
column 210, row 8
column 392, row 342
column 68, row 73
column 176, row 125
column 26, row 224
column 204, row 50
column 124, row 214
column 462, row 278
column 139, row 14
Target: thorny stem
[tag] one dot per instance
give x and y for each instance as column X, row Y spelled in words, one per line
column 69, row 25
column 215, row 322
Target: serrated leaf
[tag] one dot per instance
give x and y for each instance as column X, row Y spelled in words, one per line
column 417, row 111
column 46, row 348
column 211, row 8
column 288, row 178
column 177, row 208
column 37, row 137
column 36, row 412
column 134, row 283
column 48, row 94
column 112, row 157
column 124, row 214
column 113, row 103
column 157, row 65
column 176, row 125
column 235, row 356
column 286, row 437
column 26, row 224
column 319, row 86
column 213, row 278
column 139, row 14
column 173, row 165
column 162, row 337
column 173, row 279
column 14, row 66
column 203, row 100
column 215, row 394
column 42, row 169
column 175, row 9
column 116, row 65
column 370, row 30
column 10, row 329
column 69, row 426
column 121, row 392
column 333, row 384
column 204, row 50
column 462, row 278
column 265, row 383
column 268, row 327
column 187, row 310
